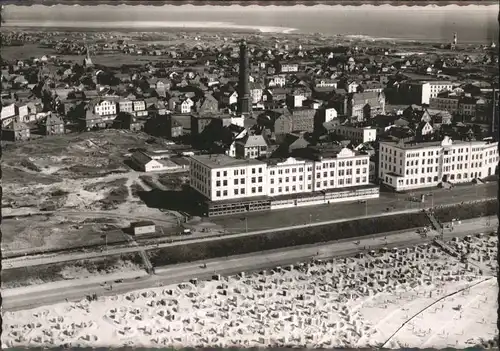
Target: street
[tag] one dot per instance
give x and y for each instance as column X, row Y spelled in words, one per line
column 372, row 208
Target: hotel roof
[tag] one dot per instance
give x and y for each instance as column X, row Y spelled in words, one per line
column 426, row 144
column 215, row 161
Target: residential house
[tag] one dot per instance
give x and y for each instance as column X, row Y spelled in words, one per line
column 445, row 102
column 363, row 106
column 199, row 123
column 22, row 109
column 185, row 105
column 302, row 119
column 287, row 67
column 297, row 96
column 275, row 94
column 8, row 111
column 424, row 128
column 326, row 83
column 129, row 121
column 251, row 146
column 103, row 107
column 256, row 92
column 228, row 98
column 175, row 129
column 208, row 104
column 139, row 107
column 16, row 131
column 125, row 106
column 53, row 125
column 357, row 134
column 276, row 81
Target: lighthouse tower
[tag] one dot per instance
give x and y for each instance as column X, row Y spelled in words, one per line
column 454, row 43
column 244, row 105
column 87, row 61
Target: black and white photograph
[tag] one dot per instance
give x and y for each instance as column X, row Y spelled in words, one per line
column 251, row 176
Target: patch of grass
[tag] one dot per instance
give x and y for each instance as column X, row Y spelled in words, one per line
column 297, row 237
column 148, row 180
column 115, row 197
column 25, row 276
column 30, row 165
column 136, row 189
column 467, row 211
column 98, row 186
column 59, row 192
column 173, row 181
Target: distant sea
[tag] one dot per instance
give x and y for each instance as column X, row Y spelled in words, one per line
column 473, row 24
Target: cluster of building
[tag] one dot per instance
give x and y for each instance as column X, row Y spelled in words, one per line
column 288, row 127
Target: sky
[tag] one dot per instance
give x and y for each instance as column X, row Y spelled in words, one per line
column 473, row 22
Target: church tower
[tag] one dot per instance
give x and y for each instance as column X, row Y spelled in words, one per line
column 244, row 105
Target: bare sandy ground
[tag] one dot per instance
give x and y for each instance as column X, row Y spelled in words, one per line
column 416, row 297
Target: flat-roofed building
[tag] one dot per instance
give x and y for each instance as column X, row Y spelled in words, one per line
column 357, row 134
column 231, row 185
column 406, row 166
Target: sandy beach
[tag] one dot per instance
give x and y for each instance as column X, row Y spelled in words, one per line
column 150, row 25
column 415, row 297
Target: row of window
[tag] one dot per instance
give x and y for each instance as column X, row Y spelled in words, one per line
column 240, row 191
column 434, row 179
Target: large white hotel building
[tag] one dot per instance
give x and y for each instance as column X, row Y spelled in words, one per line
column 406, row 166
column 230, row 185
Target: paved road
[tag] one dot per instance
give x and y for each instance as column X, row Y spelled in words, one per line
column 231, row 265
column 373, row 207
column 36, row 260
column 314, row 214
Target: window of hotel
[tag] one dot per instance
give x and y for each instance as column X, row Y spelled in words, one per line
column 280, row 171
column 301, row 178
column 218, row 174
column 280, row 189
column 357, row 180
column 318, row 175
column 217, row 193
column 224, row 182
column 260, row 189
column 253, row 180
column 325, row 174
column 348, row 181
column 236, row 181
column 341, row 181
column 301, row 169
column 235, row 172
column 217, row 183
column 358, row 171
column 294, row 170
column 225, row 173
column 272, row 191
column 253, row 190
column 364, row 179
column 272, row 180
column 224, row 193
column 242, row 181
column 318, row 184
column 235, row 191
column 260, row 179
